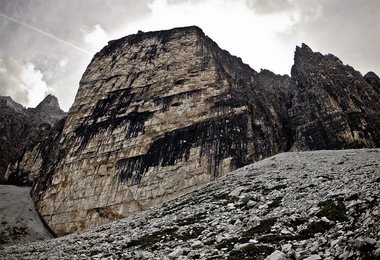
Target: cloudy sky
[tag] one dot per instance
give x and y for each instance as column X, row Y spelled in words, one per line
column 45, row 45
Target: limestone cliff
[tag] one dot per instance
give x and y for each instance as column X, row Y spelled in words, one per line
column 158, row 114
column 20, row 128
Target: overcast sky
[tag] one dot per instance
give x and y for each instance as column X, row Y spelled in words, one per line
column 47, row 44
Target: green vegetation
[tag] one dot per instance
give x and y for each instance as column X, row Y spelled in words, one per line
column 264, row 227
column 272, row 238
column 266, row 190
column 251, row 251
column 275, row 204
column 228, row 243
column 225, row 198
column 296, row 222
column 332, row 210
column 192, row 220
column 193, row 233
column 150, row 239
column 314, row 228
column 302, row 189
column 352, row 197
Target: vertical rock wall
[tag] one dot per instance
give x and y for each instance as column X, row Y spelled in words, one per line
column 156, row 115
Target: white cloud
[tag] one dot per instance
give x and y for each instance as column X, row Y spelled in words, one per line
column 22, row 81
column 32, row 81
column 234, row 26
column 96, row 38
column 62, row 63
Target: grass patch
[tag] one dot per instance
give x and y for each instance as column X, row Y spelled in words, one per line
column 193, row 233
column 228, row 243
column 352, row 197
column 264, row 227
column 150, row 240
column 251, row 251
column 275, row 204
column 302, row 189
column 325, row 178
column 266, row 190
column 273, row 238
column 225, row 198
column 296, row 222
column 314, row 228
column 332, row 210
column 192, row 220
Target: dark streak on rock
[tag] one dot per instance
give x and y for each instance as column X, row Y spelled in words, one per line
column 218, row 139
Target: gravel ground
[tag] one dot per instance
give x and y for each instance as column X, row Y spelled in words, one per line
column 309, row 205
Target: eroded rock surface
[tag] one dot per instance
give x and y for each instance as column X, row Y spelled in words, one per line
column 334, row 107
column 159, row 114
column 300, row 205
column 21, row 128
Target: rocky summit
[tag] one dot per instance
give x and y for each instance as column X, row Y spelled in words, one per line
column 300, row 205
column 159, row 114
column 20, row 128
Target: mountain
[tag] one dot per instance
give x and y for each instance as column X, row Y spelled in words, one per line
column 300, row 205
column 159, row 114
column 20, row 127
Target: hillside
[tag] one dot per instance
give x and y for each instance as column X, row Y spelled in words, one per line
column 300, row 205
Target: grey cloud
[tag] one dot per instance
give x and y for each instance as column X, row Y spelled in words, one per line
column 10, row 73
column 68, row 20
column 348, row 29
column 176, row 2
column 270, row 6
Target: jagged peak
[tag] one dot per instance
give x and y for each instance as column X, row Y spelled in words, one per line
column 372, row 79
column 303, row 48
column 49, row 102
column 7, row 101
column 371, row 75
column 303, row 53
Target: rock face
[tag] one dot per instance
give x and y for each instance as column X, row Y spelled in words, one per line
column 158, row 114
column 20, row 128
column 334, row 107
column 300, row 205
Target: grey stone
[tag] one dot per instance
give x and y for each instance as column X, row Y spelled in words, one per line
column 313, row 257
column 276, row 255
column 176, row 253
column 197, row 244
column 286, row 247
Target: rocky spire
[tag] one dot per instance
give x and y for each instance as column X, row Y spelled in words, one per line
column 373, row 80
column 49, row 102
